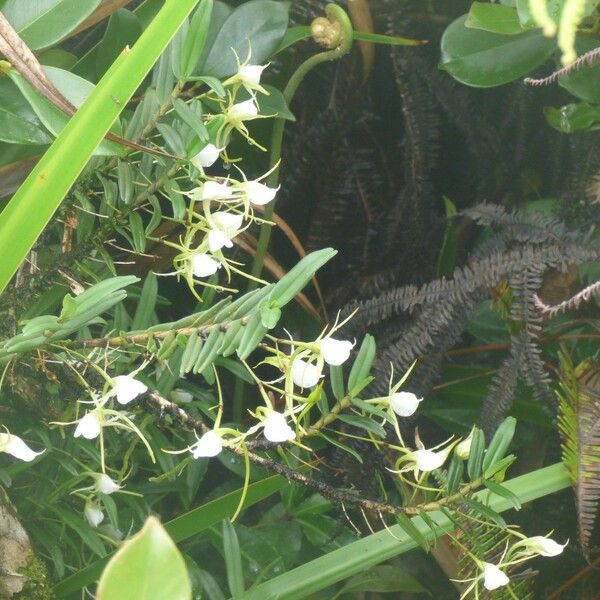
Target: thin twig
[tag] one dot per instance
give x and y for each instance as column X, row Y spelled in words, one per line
column 585, row 60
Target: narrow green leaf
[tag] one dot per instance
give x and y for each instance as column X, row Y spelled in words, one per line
column 363, row 362
column 296, row 279
column 475, row 462
column 195, row 38
column 413, row 532
column 147, row 303
column 387, row 40
column 500, row 442
column 233, row 560
column 336, row 379
column 500, row 490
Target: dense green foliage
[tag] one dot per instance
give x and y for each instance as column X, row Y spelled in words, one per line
column 287, row 291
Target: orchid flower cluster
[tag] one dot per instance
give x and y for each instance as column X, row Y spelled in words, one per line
column 221, row 208
column 494, row 576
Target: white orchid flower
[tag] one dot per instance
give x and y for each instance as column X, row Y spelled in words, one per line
column 226, row 226
column 206, row 157
column 93, row 514
column 127, row 388
column 209, row 445
column 276, row 429
column 15, row 446
column 257, row 193
column 106, row 485
column 404, row 404
column 204, row 265
column 424, row 460
column 242, row 111
column 335, row 352
column 249, row 75
column 305, row 374
column 541, row 545
column 493, row 577
column 213, row 190
column 89, row 426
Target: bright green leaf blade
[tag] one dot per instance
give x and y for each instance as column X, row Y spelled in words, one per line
column 482, row 59
column 45, row 22
column 146, row 567
column 496, row 18
column 30, row 209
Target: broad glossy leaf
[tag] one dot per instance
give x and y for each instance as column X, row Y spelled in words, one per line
column 42, row 23
column 146, row 567
column 496, row 18
column 18, row 123
column 573, row 117
column 584, row 82
column 76, row 90
column 483, row 59
column 257, row 26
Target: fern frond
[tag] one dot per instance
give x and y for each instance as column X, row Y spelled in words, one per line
column 579, row 423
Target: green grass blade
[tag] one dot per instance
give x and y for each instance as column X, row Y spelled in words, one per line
column 32, row 206
column 356, row 557
column 184, row 527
